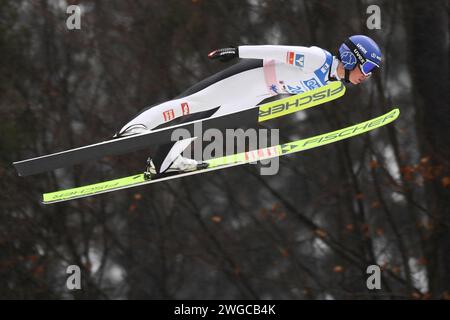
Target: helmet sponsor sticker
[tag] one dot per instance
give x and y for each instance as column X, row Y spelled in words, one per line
column 348, row 59
column 360, row 47
column 374, row 55
column 359, row 56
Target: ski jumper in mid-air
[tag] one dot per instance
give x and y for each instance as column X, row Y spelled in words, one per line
column 264, row 71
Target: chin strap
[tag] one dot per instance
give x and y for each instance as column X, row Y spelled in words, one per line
column 347, row 76
column 346, row 72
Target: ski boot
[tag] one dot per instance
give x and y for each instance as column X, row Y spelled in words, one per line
column 180, row 165
column 150, row 170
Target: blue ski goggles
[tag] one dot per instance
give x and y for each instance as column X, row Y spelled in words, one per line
column 367, row 67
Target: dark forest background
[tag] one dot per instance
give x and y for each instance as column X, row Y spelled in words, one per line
column 308, row 233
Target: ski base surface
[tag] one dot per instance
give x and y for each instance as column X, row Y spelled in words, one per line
column 228, row 161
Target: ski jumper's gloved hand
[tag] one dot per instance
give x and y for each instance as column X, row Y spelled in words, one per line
column 224, row 54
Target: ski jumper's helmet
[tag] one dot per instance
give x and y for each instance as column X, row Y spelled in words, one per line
column 360, row 50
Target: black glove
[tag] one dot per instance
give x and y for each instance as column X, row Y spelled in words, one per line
column 224, row 54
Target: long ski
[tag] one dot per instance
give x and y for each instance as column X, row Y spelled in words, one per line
column 228, row 161
column 132, row 143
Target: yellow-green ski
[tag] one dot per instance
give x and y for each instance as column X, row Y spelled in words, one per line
column 301, row 101
column 228, row 161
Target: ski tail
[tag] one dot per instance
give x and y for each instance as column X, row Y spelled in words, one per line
column 229, row 161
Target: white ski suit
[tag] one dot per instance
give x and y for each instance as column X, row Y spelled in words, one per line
column 265, row 71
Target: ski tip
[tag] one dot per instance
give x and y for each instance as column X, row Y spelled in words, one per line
column 392, row 115
column 396, row 110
